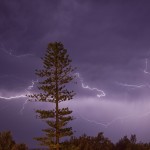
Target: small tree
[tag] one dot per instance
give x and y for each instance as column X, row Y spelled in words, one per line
column 55, row 75
column 6, row 140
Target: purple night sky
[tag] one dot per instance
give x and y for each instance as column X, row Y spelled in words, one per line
column 109, row 43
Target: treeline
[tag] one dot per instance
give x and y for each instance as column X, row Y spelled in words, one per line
column 83, row 142
column 100, row 142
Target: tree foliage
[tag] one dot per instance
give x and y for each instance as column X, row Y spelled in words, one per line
column 54, row 77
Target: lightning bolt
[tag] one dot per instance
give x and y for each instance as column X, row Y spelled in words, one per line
column 146, row 67
column 27, row 91
column 10, row 52
column 29, row 88
column 12, row 97
column 133, row 86
column 100, row 93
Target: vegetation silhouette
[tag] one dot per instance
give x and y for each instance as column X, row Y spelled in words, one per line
column 100, row 142
column 83, row 142
column 7, row 142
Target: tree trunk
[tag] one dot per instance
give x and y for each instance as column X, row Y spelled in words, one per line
column 57, row 127
column 57, row 109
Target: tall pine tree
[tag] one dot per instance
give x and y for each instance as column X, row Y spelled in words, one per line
column 57, row 72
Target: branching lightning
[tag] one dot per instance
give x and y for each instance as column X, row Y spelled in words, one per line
column 29, row 88
column 27, row 91
column 100, row 93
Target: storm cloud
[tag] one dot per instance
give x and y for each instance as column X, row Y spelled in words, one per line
column 108, row 42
